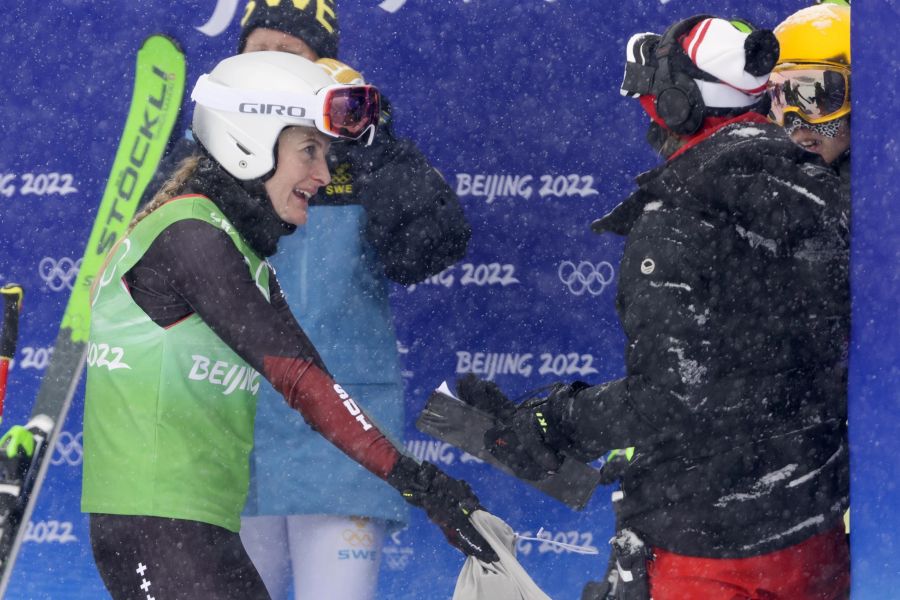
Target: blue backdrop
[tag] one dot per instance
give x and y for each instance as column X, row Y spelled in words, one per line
column 875, row 283
column 517, row 103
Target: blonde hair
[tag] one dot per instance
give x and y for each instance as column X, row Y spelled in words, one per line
column 169, row 189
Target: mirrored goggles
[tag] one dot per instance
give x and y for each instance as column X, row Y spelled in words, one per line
column 341, row 111
column 815, row 94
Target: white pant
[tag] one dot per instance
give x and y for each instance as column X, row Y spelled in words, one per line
column 330, row 557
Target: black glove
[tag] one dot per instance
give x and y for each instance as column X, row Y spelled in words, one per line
column 448, row 503
column 484, row 395
column 531, row 440
column 413, row 218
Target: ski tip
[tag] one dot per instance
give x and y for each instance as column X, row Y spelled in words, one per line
column 161, row 38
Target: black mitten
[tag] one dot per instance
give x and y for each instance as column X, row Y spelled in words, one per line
column 532, row 439
column 484, row 395
column 413, row 218
column 448, row 503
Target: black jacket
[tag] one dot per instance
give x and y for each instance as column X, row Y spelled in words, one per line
column 733, row 294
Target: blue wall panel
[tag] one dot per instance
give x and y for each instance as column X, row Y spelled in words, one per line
column 875, row 283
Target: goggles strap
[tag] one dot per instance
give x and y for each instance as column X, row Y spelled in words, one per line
column 829, row 129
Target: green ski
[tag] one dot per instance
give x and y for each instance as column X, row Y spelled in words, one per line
column 155, row 102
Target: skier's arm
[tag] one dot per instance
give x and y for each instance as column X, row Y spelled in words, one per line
column 279, row 302
column 776, row 190
column 224, row 295
column 583, row 421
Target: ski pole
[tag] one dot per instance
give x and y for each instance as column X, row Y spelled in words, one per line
column 12, row 304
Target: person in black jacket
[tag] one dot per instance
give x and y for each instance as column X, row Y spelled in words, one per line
column 733, row 294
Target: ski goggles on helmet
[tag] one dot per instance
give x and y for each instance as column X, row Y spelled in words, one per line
column 816, row 94
column 341, row 111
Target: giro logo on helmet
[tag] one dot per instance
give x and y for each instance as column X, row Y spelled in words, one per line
column 272, row 109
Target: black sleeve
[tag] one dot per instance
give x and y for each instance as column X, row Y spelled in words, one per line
column 196, row 266
column 415, row 220
column 635, row 411
column 788, row 321
column 279, row 302
column 791, row 206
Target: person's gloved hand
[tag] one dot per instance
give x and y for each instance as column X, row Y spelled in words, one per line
column 532, row 439
column 413, row 218
column 484, row 395
column 448, row 503
column 515, row 440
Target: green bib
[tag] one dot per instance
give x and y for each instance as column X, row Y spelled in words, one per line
column 168, row 419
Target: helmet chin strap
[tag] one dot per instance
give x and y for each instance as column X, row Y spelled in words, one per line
column 254, row 187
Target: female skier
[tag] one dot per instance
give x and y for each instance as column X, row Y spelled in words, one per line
column 187, row 315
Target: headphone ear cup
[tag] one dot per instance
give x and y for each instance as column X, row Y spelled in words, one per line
column 680, row 105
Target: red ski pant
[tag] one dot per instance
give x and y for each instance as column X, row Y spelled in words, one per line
column 815, row 569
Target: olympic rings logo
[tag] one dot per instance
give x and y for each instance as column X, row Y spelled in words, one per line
column 59, row 274
column 68, row 450
column 342, row 174
column 357, row 538
column 586, row 276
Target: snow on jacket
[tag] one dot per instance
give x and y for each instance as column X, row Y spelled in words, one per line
column 733, row 294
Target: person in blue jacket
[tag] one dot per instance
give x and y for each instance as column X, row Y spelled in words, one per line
column 387, row 215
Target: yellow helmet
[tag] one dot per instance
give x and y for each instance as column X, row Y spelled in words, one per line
column 818, row 34
column 812, row 76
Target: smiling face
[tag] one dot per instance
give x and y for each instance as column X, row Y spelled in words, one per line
column 300, row 172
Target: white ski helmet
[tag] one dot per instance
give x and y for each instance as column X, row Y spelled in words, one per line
column 248, row 100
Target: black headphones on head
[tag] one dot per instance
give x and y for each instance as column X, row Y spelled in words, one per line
column 666, row 72
column 679, row 102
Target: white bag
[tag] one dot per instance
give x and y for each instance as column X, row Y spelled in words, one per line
column 502, row 580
